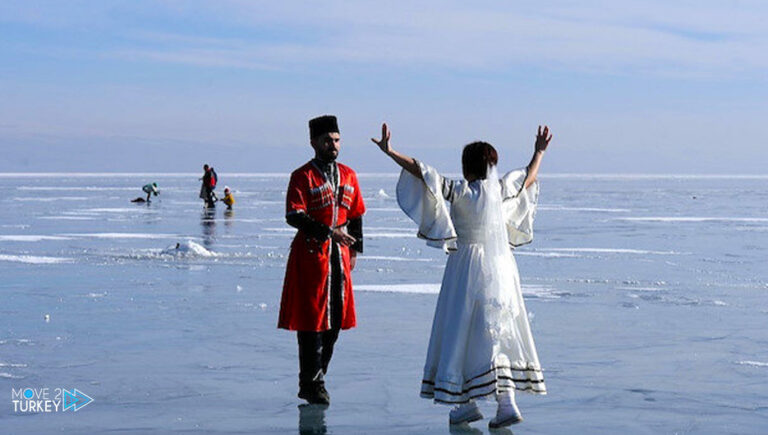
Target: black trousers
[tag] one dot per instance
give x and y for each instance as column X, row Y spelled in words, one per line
column 316, row 348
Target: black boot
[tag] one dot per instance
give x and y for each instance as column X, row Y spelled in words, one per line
column 315, row 394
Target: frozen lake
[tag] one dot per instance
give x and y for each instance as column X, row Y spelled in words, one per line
column 648, row 298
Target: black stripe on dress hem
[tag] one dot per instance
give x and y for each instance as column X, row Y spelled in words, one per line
column 432, row 396
column 424, row 381
column 531, row 381
column 467, row 390
column 502, row 367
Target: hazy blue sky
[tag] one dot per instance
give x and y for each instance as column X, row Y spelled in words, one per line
column 627, row 86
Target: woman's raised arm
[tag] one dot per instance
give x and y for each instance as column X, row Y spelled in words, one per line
column 542, row 142
column 405, row 162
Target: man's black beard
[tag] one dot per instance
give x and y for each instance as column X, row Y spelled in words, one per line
column 328, row 157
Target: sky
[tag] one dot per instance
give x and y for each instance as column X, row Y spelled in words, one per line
column 164, row 86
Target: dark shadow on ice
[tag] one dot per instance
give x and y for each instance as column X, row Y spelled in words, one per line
column 208, row 223
column 312, row 419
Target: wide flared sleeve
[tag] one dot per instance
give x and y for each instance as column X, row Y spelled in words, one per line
column 423, row 201
column 519, row 206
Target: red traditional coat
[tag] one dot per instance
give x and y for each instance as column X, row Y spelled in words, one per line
column 305, row 304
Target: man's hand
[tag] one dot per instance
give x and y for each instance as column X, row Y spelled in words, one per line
column 542, row 139
column 340, row 236
column 384, row 142
column 352, row 259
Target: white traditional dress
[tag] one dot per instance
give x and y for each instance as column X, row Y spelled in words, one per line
column 481, row 342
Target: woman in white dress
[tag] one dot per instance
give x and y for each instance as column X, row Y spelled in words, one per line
column 481, row 344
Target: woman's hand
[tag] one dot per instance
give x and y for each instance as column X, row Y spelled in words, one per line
column 405, row 162
column 384, row 142
column 542, row 139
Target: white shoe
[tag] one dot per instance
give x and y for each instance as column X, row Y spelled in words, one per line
column 465, row 413
column 506, row 415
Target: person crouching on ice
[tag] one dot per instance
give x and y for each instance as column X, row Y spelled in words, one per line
column 228, row 199
column 325, row 204
column 149, row 189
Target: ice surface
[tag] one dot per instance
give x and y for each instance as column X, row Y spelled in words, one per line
column 651, row 324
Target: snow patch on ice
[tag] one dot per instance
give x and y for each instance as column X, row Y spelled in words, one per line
column 34, row 259
column 752, row 363
column 68, row 218
column 74, row 188
column 114, row 210
column 589, row 209
column 386, row 258
column 29, row 238
column 122, row 235
column 692, row 219
column 51, row 199
column 188, row 248
column 613, row 251
column 390, row 235
column 541, row 292
column 428, row 288
column 545, row 254
column 10, row 376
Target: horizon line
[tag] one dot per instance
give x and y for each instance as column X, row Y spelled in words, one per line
column 605, row 175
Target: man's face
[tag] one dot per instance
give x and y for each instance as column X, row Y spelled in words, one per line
column 327, row 146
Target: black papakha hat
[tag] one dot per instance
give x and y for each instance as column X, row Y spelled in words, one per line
column 322, row 125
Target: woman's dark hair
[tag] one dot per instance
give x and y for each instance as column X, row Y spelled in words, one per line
column 476, row 158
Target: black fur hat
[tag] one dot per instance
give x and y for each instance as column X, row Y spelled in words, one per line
column 322, row 125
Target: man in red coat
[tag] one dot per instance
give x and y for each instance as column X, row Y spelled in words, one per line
column 325, row 204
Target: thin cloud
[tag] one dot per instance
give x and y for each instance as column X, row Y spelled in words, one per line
column 654, row 38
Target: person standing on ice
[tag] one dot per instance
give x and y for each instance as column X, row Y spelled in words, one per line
column 206, row 187
column 481, row 344
column 325, row 204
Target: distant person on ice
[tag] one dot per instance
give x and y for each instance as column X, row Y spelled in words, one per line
column 325, row 204
column 228, row 199
column 149, row 189
column 481, row 343
column 207, row 186
column 214, row 182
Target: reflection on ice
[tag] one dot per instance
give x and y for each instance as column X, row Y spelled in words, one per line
column 208, row 225
column 312, row 419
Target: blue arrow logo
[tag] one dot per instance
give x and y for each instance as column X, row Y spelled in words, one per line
column 76, row 400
